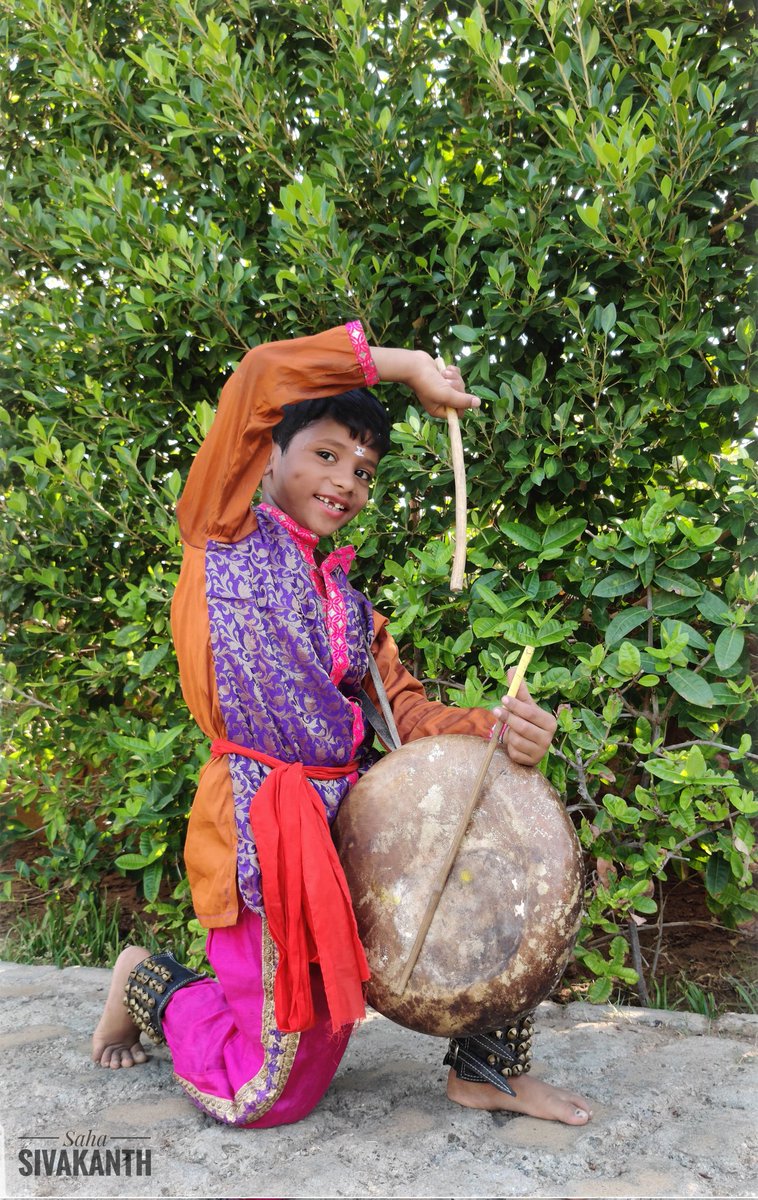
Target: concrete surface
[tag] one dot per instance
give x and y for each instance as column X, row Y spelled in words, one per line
column 674, row 1099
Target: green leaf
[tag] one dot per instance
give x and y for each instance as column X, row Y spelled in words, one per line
column 132, row 862
column 150, row 660
column 745, row 333
column 608, row 318
column 593, row 43
column 729, row 646
column 465, row 333
column 489, row 598
column 714, row 609
column 662, row 39
column 589, row 214
column 539, row 369
column 628, row 659
column 151, row 880
column 562, row 533
column 677, row 582
column 618, row 583
column 624, row 623
column 694, row 767
column 521, row 535
column 599, row 991
column 717, row 874
column 593, row 723
column 745, row 745
column 704, row 97
column 691, row 687
column 128, row 635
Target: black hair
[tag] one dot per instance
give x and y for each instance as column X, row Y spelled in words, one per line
column 358, row 410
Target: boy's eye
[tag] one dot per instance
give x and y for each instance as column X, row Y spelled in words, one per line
column 365, row 475
column 326, row 455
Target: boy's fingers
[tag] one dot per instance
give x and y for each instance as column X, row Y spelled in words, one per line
column 526, row 712
column 526, row 737
column 523, row 751
column 458, row 399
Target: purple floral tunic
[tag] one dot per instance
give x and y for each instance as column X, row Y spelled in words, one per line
column 289, row 641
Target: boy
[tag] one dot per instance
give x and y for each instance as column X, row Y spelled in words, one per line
column 273, row 645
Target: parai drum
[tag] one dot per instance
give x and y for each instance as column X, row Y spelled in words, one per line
column 509, row 914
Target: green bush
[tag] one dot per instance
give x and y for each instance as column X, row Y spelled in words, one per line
column 559, row 196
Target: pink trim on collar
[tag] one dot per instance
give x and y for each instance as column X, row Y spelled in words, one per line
column 332, row 600
column 304, row 539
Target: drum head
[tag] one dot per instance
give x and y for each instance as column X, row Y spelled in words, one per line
column 508, row 916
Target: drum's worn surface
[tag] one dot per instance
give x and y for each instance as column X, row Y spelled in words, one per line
column 507, row 919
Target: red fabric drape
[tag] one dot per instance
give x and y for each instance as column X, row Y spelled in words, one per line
column 305, row 894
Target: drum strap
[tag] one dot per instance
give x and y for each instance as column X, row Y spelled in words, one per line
column 382, row 723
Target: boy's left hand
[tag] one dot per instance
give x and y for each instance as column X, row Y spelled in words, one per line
column 529, row 729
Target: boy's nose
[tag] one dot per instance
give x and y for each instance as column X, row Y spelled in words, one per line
column 343, row 480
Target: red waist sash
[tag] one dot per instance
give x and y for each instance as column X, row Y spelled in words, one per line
column 305, row 893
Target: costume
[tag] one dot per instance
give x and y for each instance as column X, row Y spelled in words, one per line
column 272, row 649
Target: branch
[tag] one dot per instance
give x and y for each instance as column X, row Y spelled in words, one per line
column 700, row 742
column 735, row 216
column 634, row 943
column 578, row 766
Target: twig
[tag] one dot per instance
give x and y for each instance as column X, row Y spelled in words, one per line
column 700, row 742
column 732, row 217
column 581, row 782
column 634, row 942
column 659, row 925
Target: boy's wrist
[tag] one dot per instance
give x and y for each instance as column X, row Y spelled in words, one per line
column 396, row 365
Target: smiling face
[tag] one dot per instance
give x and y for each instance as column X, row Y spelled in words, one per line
column 322, row 479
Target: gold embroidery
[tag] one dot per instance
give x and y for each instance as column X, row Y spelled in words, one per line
column 243, row 1109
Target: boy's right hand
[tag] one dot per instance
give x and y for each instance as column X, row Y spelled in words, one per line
column 436, row 390
column 439, row 390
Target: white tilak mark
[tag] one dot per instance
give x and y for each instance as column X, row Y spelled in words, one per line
column 360, row 451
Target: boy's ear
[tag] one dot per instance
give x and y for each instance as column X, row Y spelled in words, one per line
column 269, row 465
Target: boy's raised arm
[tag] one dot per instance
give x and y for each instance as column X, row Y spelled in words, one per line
column 435, row 390
column 228, row 467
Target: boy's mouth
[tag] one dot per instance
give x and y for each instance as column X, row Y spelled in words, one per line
column 334, row 505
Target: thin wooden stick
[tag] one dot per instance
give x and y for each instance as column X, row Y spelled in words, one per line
column 439, row 885
column 459, row 475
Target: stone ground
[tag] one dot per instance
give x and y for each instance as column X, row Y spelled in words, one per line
column 674, row 1098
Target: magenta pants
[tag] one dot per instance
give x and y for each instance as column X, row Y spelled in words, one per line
column 228, row 1054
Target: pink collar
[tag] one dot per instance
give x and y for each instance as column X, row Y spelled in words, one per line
column 306, row 541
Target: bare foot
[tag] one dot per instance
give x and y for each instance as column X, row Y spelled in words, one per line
column 533, row 1098
column 115, row 1042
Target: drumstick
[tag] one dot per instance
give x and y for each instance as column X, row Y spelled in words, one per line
column 459, row 475
column 463, row 824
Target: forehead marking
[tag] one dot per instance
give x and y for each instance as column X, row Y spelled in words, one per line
column 359, row 450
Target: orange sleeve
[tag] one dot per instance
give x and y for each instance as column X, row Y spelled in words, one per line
column 230, row 463
column 415, row 715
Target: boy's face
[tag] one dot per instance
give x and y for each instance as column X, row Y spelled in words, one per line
column 322, row 479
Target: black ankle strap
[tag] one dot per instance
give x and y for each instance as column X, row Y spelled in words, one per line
column 149, row 988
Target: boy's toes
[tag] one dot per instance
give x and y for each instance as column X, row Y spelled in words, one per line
column 572, row 1109
column 571, row 1115
column 121, row 1055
